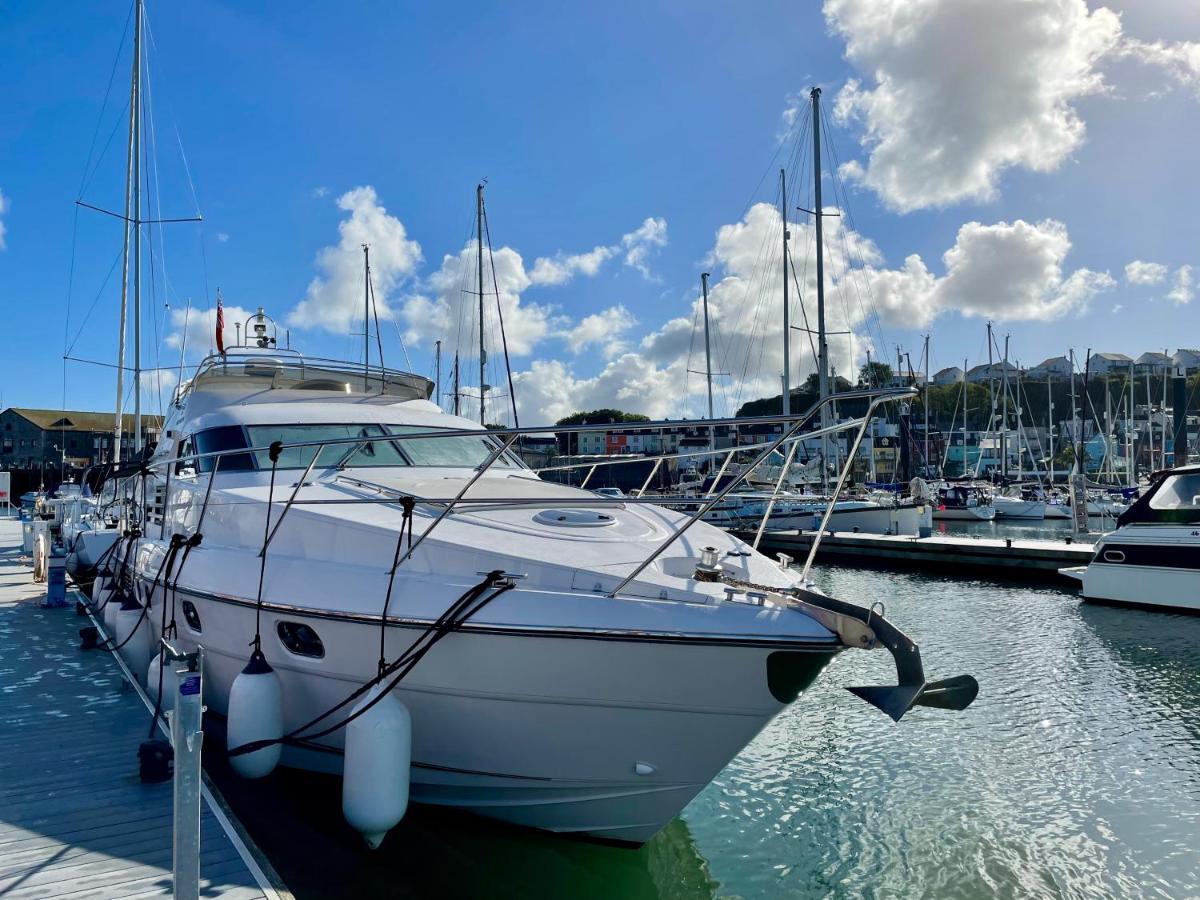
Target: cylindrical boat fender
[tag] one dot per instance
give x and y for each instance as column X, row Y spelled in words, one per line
column 136, row 649
column 255, row 714
column 96, row 594
column 39, row 558
column 170, row 681
column 376, row 766
column 111, row 608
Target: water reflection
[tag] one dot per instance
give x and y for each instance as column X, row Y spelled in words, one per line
column 434, row 852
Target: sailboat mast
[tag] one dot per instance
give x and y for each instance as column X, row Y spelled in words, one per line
column 787, row 312
column 926, row 405
column 1050, row 425
column 366, row 314
column 1074, row 438
column 1130, row 468
column 964, row 460
column 1004, row 414
column 479, row 261
column 707, row 343
column 135, row 111
column 437, row 385
column 822, row 346
column 456, row 392
column 119, row 423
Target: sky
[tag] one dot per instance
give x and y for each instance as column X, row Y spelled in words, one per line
column 1025, row 162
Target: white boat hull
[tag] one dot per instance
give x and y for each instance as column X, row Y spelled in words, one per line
column 1016, row 508
column 1153, row 566
column 556, row 742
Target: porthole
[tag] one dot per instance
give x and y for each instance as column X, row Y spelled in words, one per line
column 300, row 639
column 1114, row 556
column 191, row 616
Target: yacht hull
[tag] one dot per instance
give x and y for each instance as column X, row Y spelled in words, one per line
column 1015, row 508
column 602, row 735
column 1146, row 566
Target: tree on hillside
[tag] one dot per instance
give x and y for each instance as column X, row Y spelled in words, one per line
column 601, row 417
column 874, row 374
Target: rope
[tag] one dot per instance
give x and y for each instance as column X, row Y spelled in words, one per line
column 458, row 612
column 275, row 449
column 408, row 504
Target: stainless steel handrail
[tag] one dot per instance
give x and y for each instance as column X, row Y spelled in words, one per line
column 792, row 425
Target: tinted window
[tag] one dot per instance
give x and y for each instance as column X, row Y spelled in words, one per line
column 457, row 451
column 227, row 437
column 372, row 453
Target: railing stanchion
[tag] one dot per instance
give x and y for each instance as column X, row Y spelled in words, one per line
column 484, row 466
column 837, row 491
column 787, row 465
column 721, row 474
column 650, row 477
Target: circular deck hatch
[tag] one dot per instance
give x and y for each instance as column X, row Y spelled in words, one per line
column 574, row 518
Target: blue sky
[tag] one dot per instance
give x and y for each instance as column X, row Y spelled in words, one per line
column 1040, row 145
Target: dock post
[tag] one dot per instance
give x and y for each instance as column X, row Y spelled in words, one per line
column 187, row 738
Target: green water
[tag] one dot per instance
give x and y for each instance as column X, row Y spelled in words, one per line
column 1075, row 774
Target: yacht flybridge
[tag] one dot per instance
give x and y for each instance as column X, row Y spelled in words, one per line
column 598, row 660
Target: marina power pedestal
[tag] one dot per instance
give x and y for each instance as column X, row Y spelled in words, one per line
column 26, row 533
column 56, row 580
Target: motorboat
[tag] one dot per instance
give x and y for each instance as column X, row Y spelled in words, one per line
column 1152, row 559
column 963, row 502
column 1019, row 502
column 333, row 515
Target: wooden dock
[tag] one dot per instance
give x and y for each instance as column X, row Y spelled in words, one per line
column 1000, row 558
column 75, row 820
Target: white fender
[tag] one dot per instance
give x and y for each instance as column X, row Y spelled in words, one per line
column 170, row 681
column 136, row 649
column 99, row 586
column 255, row 714
column 375, row 776
column 109, row 612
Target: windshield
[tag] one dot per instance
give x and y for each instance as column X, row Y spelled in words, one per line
column 453, row 451
column 368, row 453
column 457, row 451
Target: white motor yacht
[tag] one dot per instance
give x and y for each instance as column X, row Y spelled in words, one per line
column 627, row 654
column 1152, row 559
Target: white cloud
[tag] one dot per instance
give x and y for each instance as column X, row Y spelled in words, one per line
column 202, row 328
column 561, row 268
column 1117, row 307
column 637, row 247
column 1007, row 271
column 335, row 298
column 452, row 313
column 1181, row 61
column 222, row 237
column 1139, row 272
column 643, row 242
column 1182, row 290
column 1014, row 272
column 3, row 210
column 953, row 92
column 159, row 381
column 319, row 192
column 605, row 329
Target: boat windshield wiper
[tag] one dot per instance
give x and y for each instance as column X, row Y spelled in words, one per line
column 345, row 458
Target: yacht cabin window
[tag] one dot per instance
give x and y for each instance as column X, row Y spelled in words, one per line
column 1178, row 492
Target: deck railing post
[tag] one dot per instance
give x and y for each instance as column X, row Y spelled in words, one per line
column 187, row 738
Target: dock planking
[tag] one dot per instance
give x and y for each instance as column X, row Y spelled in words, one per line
column 75, row 820
column 1004, row 559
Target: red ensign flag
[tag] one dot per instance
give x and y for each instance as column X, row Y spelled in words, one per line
column 220, row 327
